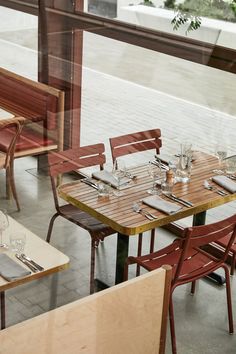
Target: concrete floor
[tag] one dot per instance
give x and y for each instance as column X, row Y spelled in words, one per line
column 201, row 321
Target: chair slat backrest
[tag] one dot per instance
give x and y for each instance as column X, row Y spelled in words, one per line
column 135, row 142
column 73, row 160
column 199, row 236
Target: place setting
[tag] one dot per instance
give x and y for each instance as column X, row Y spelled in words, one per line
column 10, row 269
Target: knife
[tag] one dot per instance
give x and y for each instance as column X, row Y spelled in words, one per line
column 36, row 265
column 89, row 183
column 30, row 266
column 181, row 201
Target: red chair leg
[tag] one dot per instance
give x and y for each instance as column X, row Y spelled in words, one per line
column 233, row 264
column 172, row 326
column 152, row 240
column 51, row 226
column 229, row 300
column 140, row 241
column 3, row 310
column 193, row 287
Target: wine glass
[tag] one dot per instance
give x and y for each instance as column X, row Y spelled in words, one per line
column 119, row 172
column 221, row 154
column 4, row 223
column 155, row 173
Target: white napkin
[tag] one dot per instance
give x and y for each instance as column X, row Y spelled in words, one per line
column 107, row 177
column 11, row 270
column 158, row 203
column 225, row 182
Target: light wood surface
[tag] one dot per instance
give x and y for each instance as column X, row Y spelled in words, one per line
column 126, row 319
column 37, row 249
column 118, row 213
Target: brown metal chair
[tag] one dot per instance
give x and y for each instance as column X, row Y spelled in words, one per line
column 133, row 143
column 222, row 244
column 66, row 162
column 13, row 126
column 190, row 262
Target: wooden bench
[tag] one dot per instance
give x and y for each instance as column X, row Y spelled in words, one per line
column 43, row 108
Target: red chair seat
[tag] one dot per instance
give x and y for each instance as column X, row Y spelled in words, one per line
column 28, row 139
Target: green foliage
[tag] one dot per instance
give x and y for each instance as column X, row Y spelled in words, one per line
column 169, row 4
column 191, row 11
column 147, row 3
column 182, row 18
column 217, row 9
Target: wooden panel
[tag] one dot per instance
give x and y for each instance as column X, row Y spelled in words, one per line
column 127, row 318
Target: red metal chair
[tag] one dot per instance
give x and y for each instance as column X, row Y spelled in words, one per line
column 222, row 243
column 133, row 143
column 68, row 161
column 14, row 127
column 190, row 262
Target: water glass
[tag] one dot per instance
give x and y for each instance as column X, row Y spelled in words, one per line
column 119, row 172
column 103, row 190
column 4, row 223
column 221, row 154
column 156, row 175
column 18, row 242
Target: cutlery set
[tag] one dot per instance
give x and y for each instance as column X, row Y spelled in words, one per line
column 89, row 183
column 179, row 200
column 136, row 208
column 32, row 265
column 210, row 187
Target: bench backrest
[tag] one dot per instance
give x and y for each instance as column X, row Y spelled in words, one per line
column 32, row 100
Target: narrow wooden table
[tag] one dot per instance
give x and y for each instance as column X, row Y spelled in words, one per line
column 117, row 212
column 37, row 249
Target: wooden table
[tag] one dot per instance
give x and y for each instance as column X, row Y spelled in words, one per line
column 40, row 251
column 117, row 211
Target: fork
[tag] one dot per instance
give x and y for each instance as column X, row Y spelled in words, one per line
column 208, row 186
column 136, row 207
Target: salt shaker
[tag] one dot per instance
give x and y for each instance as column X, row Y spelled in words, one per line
column 168, row 184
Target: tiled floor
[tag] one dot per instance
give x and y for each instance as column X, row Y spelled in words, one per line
column 201, row 321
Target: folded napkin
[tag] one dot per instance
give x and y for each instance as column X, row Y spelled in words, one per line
column 225, row 182
column 158, row 203
column 11, row 270
column 107, row 177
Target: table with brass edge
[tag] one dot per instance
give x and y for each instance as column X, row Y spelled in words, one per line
column 41, row 252
column 117, row 212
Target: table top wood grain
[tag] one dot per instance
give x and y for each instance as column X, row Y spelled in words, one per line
column 117, row 211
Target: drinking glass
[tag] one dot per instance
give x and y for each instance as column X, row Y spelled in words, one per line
column 221, row 154
column 119, row 172
column 4, row 223
column 18, row 241
column 155, row 173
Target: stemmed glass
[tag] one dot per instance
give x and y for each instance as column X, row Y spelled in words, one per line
column 221, row 154
column 4, row 223
column 119, row 172
column 155, row 173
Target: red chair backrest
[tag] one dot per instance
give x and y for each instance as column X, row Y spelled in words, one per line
column 199, row 236
column 135, row 142
column 73, row 159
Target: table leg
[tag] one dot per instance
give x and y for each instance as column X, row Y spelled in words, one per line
column 53, row 293
column 200, row 219
column 121, row 256
column 3, row 310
